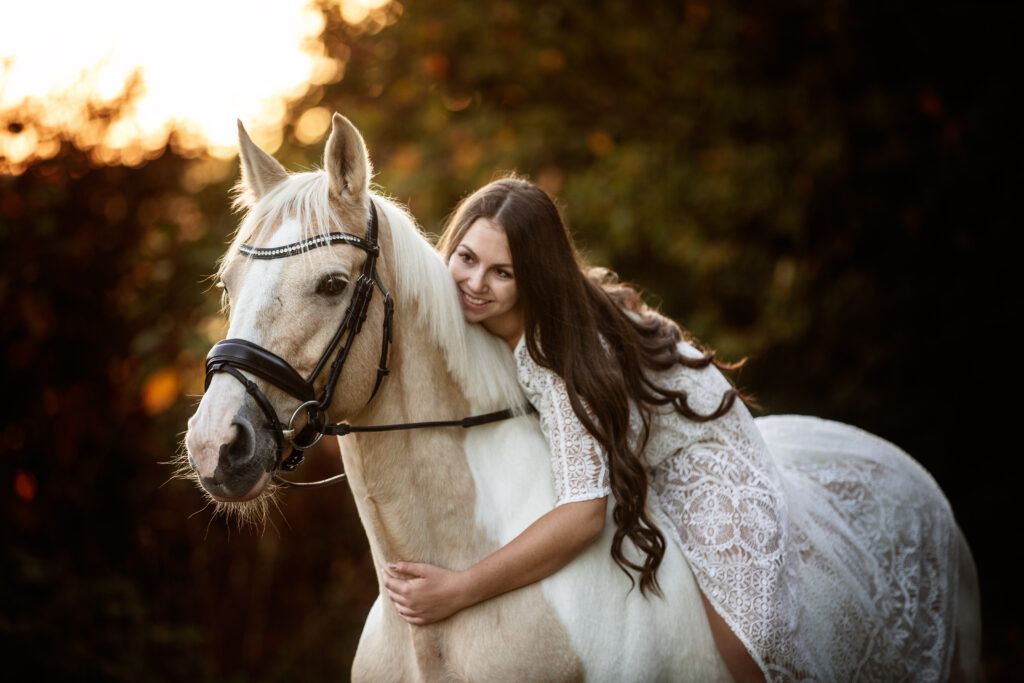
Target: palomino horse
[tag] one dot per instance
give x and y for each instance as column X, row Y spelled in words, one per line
column 447, row 496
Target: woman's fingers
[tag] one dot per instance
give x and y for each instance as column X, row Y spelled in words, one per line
column 415, row 621
column 390, row 582
column 423, row 595
column 396, row 588
column 397, row 591
column 411, row 569
column 409, row 614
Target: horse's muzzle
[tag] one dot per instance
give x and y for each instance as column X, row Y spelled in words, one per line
column 237, row 463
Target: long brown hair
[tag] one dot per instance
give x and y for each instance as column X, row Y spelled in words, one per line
column 600, row 338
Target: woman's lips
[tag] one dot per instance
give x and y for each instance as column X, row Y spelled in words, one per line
column 472, row 301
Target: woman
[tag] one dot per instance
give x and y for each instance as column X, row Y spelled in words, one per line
column 627, row 406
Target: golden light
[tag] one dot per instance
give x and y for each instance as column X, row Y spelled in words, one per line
column 160, row 391
column 356, row 11
column 194, row 65
column 312, row 125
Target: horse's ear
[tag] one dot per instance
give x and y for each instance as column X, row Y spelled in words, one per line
column 260, row 171
column 346, row 161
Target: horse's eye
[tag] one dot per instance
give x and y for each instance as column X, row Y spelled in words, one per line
column 331, row 284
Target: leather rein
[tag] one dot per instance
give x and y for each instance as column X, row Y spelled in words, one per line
column 237, row 356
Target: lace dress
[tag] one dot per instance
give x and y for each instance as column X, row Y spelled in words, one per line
column 829, row 552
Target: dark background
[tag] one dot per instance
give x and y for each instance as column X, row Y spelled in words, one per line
column 823, row 187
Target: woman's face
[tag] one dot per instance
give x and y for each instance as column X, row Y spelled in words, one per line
column 482, row 268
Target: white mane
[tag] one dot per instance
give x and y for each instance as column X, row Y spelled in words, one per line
column 478, row 361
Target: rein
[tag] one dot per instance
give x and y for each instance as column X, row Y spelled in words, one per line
column 233, row 356
column 343, row 428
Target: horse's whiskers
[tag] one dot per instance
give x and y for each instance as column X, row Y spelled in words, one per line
column 253, row 514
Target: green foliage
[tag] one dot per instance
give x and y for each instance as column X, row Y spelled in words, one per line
column 789, row 180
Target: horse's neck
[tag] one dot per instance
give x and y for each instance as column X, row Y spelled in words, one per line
column 414, row 488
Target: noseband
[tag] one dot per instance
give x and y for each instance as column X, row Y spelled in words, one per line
column 232, row 356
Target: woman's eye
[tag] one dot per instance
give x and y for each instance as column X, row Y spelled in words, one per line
column 505, row 274
column 466, row 258
column 331, row 285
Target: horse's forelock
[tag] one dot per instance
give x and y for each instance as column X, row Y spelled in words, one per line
column 301, row 196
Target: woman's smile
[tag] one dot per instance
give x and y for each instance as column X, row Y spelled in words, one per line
column 474, row 302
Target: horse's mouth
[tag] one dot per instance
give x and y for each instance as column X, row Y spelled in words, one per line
column 257, row 488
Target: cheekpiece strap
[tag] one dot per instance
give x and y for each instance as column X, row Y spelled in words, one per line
column 307, row 244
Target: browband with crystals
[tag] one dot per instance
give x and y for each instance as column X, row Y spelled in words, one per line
column 306, row 245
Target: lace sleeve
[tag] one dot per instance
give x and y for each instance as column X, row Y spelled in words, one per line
column 577, row 459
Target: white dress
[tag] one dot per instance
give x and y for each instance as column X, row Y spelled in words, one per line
column 828, row 551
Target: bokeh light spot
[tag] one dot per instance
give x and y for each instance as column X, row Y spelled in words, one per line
column 551, row 59
column 312, row 125
column 600, row 143
column 160, row 391
column 25, row 486
column 357, row 11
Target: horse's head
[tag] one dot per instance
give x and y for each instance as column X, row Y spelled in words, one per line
column 304, row 260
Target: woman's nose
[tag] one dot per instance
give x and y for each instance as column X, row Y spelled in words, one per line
column 476, row 280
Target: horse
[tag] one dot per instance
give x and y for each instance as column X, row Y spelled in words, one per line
column 316, row 247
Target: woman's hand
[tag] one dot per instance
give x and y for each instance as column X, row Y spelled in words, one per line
column 429, row 594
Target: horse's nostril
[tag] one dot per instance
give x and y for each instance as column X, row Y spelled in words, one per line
column 240, row 449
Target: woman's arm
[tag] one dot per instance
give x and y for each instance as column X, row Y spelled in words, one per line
column 432, row 593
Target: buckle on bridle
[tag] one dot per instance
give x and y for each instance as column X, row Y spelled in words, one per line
column 289, row 433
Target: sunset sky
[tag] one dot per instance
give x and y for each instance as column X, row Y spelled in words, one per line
column 203, row 63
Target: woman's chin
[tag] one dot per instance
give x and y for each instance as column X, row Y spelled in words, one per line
column 474, row 315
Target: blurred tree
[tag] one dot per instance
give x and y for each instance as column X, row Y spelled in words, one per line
column 105, row 326
column 88, row 314
column 795, row 182
column 749, row 167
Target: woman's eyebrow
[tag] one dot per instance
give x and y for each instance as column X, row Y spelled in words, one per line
column 463, row 245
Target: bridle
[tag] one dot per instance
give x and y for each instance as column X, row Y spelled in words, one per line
column 233, row 356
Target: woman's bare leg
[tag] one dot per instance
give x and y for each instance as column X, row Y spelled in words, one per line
column 739, row 662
